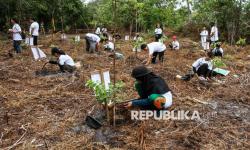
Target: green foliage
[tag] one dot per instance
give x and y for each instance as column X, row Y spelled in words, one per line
column 105, row 95
column 217, row 62
column 241, row 42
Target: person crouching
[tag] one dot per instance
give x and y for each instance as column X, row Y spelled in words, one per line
column 218, row 51
column 203, row 67
column 64, row 61
column 153, row 91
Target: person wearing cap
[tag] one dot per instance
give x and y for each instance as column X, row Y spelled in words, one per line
column 175, row 45
column 154, row 49
column 203, row 67
column 92, row 42
column 158, row 32
column 204, row 36
column 218, row 51
column 153, row 91
column 64, row 61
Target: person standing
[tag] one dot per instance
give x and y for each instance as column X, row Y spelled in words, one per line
column 34, row 30
column 16, row 35
column 214, row 35
column 204, row 36
column 154, row 49
column 158, row 32
column 98, row 31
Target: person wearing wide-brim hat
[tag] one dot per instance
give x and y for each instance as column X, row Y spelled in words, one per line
column 153, row 91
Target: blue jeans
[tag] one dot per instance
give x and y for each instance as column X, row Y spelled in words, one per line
column 17, row 46
column 143, row 104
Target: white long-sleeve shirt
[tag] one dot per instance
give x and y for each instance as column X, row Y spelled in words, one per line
column 214, row 33
column 202, row 61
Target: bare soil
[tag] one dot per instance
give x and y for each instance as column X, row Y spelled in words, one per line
column 48, row 112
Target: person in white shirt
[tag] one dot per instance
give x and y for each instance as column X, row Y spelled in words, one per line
column 218, row 51
column 154, row 49
column 65, row 62
column 158, row 32
column 175, row 45
column 109, row 46
column 92, row 42
column 98, row 31
column 34, row 30
column 105, row 32
column 214, row 35
column 203, row 67
column 16, row 35
column 204, row 37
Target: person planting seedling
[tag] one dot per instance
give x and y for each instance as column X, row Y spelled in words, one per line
column 64, row 61
column 154, row 49
column 203, row 67
column 153, row 91
column 92, row 42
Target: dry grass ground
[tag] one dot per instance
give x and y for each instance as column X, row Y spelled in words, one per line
column 44, row 112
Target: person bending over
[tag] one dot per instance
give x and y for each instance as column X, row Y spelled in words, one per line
column 154, row 49
column 64, row 61
column 203, row 67
column 153, row 91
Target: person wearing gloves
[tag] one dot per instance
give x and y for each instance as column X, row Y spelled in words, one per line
column 204, row 37
column 154, row 49
column 92, row 42
column 203, row 67
column 153, row 91
column 64, row 61
column 16, row 34
column 175, row 45
column 218, row 51
column 109, row 46
column 34, row 30
column 158, row 32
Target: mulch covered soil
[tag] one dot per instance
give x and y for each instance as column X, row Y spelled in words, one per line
column 48, row 112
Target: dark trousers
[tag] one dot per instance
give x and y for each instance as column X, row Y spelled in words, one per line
column 17, row 46
column 218, row 53
column 204, row 71
column 161, row 57
column 67, row 68
column 144, row 104
column 157, row 37
column 91, row 46
column 35, row 38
